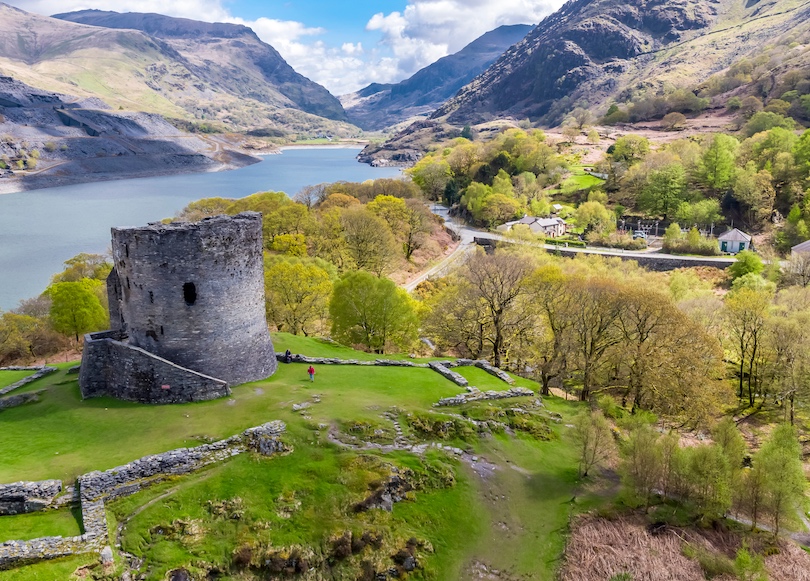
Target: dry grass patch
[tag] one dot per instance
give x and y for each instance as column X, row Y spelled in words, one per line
column 627, row 548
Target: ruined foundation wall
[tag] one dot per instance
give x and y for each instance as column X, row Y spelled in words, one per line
column 112, row 368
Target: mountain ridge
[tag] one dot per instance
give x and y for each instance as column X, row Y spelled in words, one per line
column 591, row 50
column 381, row 105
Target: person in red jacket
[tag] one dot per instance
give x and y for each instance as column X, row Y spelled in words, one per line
column 311, row 372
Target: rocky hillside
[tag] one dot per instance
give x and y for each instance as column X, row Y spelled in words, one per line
column 216, row 75
column 228, row 56
column 593, row 52
column 378, row 106
column 49, row 138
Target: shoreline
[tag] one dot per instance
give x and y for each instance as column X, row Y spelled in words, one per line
column 43, row 181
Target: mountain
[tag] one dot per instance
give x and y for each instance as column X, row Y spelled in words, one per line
column 53, row 138
column 230, row 57
column 594, row 52
column 213, row 75
column 378, row 106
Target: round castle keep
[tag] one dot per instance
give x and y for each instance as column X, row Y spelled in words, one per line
column 190, row 295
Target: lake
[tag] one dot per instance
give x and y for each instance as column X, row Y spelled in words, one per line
column 40, row 229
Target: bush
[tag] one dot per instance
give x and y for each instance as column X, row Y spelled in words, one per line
column 747, row 263
column 713, row 564
column 693, row 243
column 562, row 242
column 616, row 240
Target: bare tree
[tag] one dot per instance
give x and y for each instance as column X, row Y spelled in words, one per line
column 498, row 280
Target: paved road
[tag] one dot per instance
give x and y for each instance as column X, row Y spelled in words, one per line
column 468, row 235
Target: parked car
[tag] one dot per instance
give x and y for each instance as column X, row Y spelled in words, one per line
column 639, row 234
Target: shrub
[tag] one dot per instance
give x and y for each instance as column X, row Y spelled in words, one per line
column 616, row 240
column 713, row 564
column 747, row 263
column 49, row 146
column 693, row 243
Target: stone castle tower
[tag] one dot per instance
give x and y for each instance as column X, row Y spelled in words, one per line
column 187, row 313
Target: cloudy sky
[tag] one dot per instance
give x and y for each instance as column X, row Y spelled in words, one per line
column 344, row 45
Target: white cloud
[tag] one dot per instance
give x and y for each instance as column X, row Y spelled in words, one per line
column 424, row 31
column 430, row 29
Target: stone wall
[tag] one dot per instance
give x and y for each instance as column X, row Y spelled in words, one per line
column 40, row 372
column 656, row 263
column 24, row 497
column 113, row 368
column 13, row 401
column 481, row 364
column 95, row 488
column 441, row 367
column 475, row 395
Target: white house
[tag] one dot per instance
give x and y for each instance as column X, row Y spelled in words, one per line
column 734, row 241
column 547, row 227
column 803, row 248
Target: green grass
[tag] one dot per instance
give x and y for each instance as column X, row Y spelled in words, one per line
column 58, row 570
column 9, row 377
column 62, row 436
column 23, row 527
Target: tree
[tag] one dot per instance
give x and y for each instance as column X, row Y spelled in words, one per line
column 431, row 175
column 311, row 196
column 497, row 281
column 549, row 295
column 369, row 241
column 746, row 312
column 76, row 308
column 372, row 312
column 765, row 120
column 597, row 307
column 630, row 149
column 595, row 441
column 673, row 121
column 747, row 263
column 582, row 117
column 596, row 216
column 716, row 166
column 785, row 482
column 83, row 265
column 708, row 481
column 754, row 190
column 418, row 225
column 297, row 294
column 664, row 190
column 642, row 462
column 499, row 208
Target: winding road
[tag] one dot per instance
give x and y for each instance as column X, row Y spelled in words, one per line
column 468, row 234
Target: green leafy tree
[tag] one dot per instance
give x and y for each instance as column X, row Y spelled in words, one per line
column 431, row 175
column 369, row 241
column 785, row 485
column 716, row 166
column 595, row 216
column 630, row 149
column 297, row 295
column 76, row 308
column 747, row 263
column 373, row 312
column 765, row 120
column 664, row 190
column 595, row 441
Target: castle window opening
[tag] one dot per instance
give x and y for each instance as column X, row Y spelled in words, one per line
column 151, row 297
column 190, row 293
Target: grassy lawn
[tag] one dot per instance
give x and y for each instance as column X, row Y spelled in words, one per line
column 513, row 520
column 9, row 377
column 64, row 523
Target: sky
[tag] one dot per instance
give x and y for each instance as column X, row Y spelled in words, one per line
column 343, row 45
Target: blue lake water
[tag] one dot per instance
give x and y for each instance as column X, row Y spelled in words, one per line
column 40, row 229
